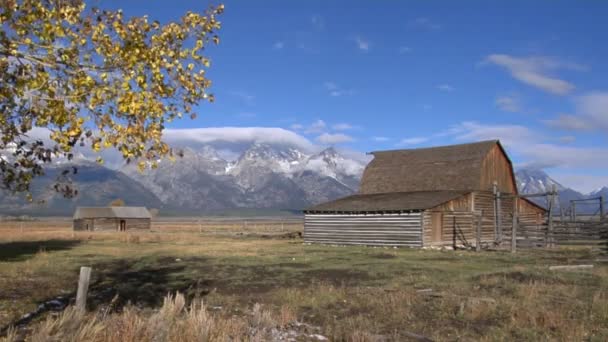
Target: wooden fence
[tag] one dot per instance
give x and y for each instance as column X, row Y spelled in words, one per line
column 584, row 233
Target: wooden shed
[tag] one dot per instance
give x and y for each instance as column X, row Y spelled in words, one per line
column 111, row 218
column 426, row 197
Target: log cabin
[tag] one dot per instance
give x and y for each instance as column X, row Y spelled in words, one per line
column 436, row 196
column 112, row 218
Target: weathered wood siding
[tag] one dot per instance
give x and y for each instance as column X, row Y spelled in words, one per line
column 373, row 229
column 111, row 224
column 458, row 228
column 531, row 214
column 496, row 167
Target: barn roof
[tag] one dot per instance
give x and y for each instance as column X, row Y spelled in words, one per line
column 393, row 201
column 454, row 167
column 111, row 212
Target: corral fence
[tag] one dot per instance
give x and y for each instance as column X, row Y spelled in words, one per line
column 582, row 233
column 557, row 228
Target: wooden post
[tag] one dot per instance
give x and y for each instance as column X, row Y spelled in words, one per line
column 498, row 213
column 573, row 211
column 200, row 226
column 601, row 208
column 514, row 227
column 21, row 227
column 83, row 288
column 478, row 233
column 550, row 223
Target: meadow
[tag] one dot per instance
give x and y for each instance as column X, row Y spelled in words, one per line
column 256, row 280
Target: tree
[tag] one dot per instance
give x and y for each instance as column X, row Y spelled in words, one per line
column 75, row 76
column 119, row 202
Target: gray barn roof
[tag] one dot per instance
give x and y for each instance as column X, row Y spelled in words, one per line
column 393, row 201
column 111, row 212
column 454, row 167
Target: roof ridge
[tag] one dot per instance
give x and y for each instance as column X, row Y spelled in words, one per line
column 493, row 141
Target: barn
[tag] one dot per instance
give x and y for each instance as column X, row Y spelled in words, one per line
column 111, row 218
column 423, row 197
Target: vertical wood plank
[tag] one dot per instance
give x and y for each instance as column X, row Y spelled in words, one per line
column 478, row 233
column 83, row 288
column 514, row 228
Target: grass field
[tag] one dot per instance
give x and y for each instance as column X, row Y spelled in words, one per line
column 247, row 273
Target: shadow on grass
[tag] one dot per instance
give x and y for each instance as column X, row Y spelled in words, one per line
column 21, row 250
column 144, row 283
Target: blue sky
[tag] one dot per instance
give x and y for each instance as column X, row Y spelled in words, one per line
column 372, row 75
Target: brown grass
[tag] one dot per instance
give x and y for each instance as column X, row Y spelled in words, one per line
column 242, row 286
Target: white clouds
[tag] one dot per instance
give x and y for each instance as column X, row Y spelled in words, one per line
column 533, row 71
column 508, row 104
column 337, row 138
column 278, row 45
column 318, row 126
column 425, row 24
column 445, row 87
column 336, row 91
column 237, row 135
column 343, row 127
column 591, row 114
column 594, row 106
column 380, row 139
column 531, row 147
column 508, row 134
column 362, row 43
column 412, row 141
column 570, row 123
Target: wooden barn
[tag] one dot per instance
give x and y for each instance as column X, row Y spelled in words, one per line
column 427, row 197
column 111, row 218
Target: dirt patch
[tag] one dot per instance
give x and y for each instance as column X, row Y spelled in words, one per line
column 337, row 276
column 284, row 236
column 384, row 256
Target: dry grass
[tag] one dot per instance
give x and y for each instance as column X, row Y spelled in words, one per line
column 256, row 279
column 174, row 321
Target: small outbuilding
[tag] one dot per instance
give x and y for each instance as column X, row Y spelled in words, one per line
column 427, row 197
column 112, row 218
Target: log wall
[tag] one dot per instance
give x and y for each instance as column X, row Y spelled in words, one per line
column 404, row 230
column 111, row 224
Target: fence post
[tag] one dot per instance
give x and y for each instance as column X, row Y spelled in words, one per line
column 83, row 288
column 478, row 233
column 514, row 227
column 573, row 211
column 497, row 212
column 550, row 223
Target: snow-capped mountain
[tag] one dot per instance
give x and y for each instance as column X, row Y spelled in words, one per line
column 530, row 181
column 263, row 176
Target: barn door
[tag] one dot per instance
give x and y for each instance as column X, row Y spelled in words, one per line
column 436, row 227
column 123, row 225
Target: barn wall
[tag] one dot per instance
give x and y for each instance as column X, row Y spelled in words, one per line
column 105, row 224
column 496, row 167
column 530, row 214
column 137, row 224
column 81, row 224
column 373, row 229
column 460, row 220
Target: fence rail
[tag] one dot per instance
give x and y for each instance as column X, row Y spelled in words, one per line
column 563, row 234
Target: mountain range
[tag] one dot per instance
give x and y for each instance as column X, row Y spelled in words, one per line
column 262, row 177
